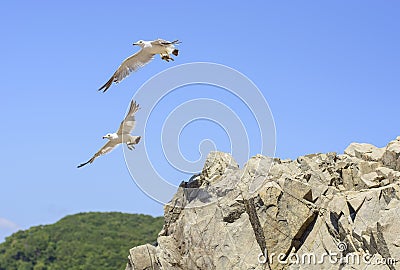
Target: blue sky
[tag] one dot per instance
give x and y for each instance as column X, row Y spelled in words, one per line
column 329, row 71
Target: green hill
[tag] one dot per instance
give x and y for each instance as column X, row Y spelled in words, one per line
column 82, row 241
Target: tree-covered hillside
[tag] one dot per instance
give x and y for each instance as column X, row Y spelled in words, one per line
column 82, row 241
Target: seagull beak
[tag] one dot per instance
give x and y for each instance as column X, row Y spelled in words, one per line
column 135, row 44
column 104, row 137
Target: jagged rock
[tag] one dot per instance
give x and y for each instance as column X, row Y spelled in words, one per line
column 391, row 156
column 143, row 257
column 275, row 211
column 371, row 180
column 358, row 149
column 255, row 173
column 216, row 165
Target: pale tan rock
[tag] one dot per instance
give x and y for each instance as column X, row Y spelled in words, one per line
column 143, row 257
column 391, row 156
column 358, row 149
column 374, row 155
column 216, row 164
column 316, row 203
column 371, row 180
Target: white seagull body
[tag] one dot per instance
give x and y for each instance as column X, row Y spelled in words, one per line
column 148, row 50
column 121, row 136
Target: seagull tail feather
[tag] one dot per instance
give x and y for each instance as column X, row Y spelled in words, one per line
column 106, row 85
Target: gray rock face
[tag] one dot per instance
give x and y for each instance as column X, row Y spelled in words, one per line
column 321, row 211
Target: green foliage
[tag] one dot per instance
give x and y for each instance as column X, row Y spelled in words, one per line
column 83, row 241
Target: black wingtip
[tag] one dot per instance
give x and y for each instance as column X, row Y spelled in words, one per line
column 175, row 52
column 107, row 85
column 83, row 164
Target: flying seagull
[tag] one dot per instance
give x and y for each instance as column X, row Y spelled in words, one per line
column 148, row 50
column 123, row 135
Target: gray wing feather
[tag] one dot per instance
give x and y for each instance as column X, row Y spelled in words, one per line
column 108, row 147
column 129, row 65
column 129, row 123
column 132, row 64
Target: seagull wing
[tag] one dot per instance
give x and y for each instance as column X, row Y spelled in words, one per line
column 129, row 123
column 164, row 42
column 104, row 150
column 130, row 64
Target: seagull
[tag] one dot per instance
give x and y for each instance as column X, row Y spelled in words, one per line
column 148, row 50
column 121, row 136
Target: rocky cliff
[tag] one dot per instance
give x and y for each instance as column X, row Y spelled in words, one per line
column 320, row 211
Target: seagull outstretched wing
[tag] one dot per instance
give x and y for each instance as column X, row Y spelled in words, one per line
column 129, row 123
column 130, row 64
column 108, row 147
column 164, row 42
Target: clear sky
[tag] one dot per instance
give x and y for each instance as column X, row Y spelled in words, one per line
column 329, row 71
